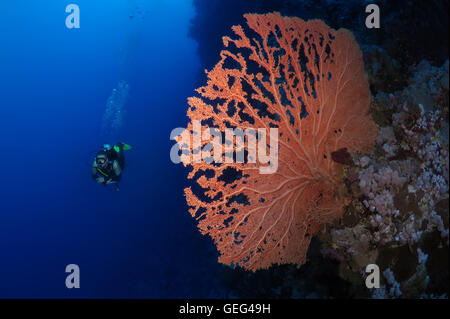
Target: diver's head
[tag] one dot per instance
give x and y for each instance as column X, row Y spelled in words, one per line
column 101, row 159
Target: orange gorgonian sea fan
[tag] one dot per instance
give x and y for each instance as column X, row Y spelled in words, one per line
column 308, row 81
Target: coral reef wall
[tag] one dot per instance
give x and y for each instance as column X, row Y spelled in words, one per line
column 400, row 192
column 398, row 211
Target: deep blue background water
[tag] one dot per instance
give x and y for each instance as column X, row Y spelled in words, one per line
column 54, row 83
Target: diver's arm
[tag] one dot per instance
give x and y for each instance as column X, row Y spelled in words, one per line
column 117, row 169
column 94, row 171
column 95, row 177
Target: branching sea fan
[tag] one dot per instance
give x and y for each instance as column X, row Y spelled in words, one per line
column 307, row 81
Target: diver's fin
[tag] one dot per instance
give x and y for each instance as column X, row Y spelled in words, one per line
column 122, row 146
column 126, row 147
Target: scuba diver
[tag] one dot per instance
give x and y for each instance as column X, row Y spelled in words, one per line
column 109, row 163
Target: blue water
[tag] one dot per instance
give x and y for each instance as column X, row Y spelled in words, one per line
column 54, row 84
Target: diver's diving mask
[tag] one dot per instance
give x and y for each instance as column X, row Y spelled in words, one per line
column 101, row 160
